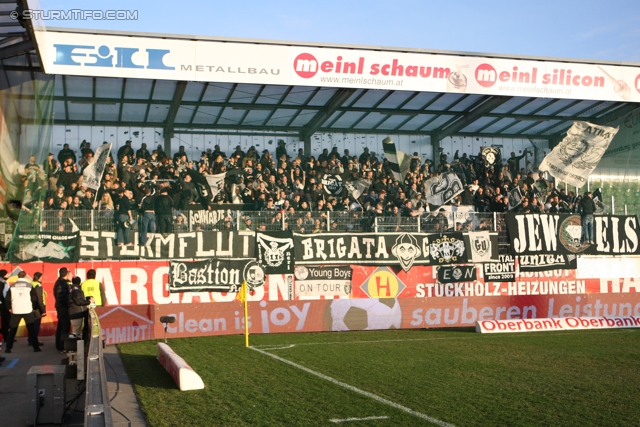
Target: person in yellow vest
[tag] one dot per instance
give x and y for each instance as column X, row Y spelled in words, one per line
column 39, row 306
column 93, row 288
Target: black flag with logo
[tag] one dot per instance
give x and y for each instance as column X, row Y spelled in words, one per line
column 274, row 251
column 332, row 184
column 456, row 273
column 491, row 156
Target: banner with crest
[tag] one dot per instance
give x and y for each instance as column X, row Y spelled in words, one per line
column 274, row 251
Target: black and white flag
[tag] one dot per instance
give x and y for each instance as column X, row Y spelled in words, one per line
column 274, row 251
column 578, row 154
column 399, row 162
column 358, row 187
column 456, row 273
column 601, row 208
column 442, row 188
column 332, row 184
column 481, row 246
column 502, row 271
column 92, row 174
column 515, row 198
column 491, row 156
column 214, row 275
column 545, row 262
column 216, row 184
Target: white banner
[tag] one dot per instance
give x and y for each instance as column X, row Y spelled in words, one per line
column 442, row 188
column 216, row 183
column 556, row 324
column 269, row 63
column 578, row 154
column 92, row 174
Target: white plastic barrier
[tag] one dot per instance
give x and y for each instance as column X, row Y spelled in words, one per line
column 556, row 324
column 180, row 371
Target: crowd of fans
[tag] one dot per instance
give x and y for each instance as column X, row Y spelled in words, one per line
column 157, row 189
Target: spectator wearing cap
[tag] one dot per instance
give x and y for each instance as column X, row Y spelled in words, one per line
column 39, row 306
column 20, row 300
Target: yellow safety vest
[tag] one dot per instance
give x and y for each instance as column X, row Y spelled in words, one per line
column 91, row 288
column 44, row 293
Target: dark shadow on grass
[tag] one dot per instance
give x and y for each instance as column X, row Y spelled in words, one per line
column 146, row 371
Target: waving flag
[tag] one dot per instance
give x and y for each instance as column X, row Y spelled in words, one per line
column 578, row 154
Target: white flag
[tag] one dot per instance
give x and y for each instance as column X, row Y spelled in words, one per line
column 515, row 198
column 480, row 242
column 442, row 188
column 357, row 187
column 216, row 183
column 578, row 154
column 92, row 174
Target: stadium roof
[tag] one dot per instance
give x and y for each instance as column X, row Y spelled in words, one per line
column 230, row 102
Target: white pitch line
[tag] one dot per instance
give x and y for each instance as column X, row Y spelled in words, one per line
column 357, row 390
column 346, row 420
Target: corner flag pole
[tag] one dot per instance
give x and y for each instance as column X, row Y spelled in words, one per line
column 242, row 296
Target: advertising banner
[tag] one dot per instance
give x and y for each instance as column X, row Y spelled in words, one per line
column 325, row 282
column 560, row 324
column 532, row 234
column 185, row 59
column 142, row 322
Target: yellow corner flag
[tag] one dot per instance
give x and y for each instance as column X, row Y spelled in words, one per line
column 242, row 294
column 242, row 297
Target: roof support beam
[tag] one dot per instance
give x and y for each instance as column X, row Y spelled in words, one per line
column 332, row 106
column 171, row 115
column 490, row 104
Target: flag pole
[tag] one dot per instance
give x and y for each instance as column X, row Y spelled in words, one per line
column 246, row 316
column 242, row 296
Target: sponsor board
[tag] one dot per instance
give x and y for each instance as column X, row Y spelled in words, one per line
column 559, row 324
column 148, row 57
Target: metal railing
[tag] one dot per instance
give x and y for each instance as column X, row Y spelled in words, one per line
column 66, row 221
column 97, row 411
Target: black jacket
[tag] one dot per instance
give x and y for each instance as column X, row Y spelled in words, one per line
column 164, row 205
column 78, row 303
column 61, row 293
column 587, row 206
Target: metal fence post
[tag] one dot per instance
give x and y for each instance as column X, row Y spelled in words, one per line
column 613, row 205
column 328, row 220
column 92, row 221
column 283, row 221
column 418, row 219
column 495, row 221
column 375, row 224
column 238, row 219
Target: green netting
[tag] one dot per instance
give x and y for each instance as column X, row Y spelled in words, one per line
column 25, row 136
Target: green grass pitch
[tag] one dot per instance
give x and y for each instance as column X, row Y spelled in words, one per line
column 397, row 378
